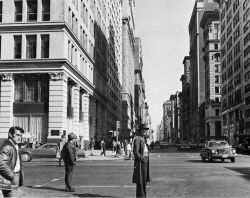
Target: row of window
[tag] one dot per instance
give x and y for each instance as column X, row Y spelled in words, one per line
column 233, row 99
column 233, row 83
column 31, row 46
column 32, row 10
column 227, row 74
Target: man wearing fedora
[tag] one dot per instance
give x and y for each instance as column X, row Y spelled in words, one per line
column 69, row 158
column 141, row 162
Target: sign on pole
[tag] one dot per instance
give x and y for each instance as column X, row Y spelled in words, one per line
column 117, row 129
column 117, row 124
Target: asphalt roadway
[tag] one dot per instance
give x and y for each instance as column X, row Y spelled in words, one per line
column 175, row 174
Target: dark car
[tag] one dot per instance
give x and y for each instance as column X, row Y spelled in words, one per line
column 183, row 145
column 218, row 149
column 47, row 150
column 163, row 145
column 243, row 148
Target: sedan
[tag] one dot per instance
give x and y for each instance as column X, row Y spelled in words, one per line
column 47, row 150
column 218, row 149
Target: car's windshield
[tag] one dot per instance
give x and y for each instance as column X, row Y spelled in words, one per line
column 217, row 144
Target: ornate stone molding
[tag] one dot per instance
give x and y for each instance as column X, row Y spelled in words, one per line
column 7, row 77
column 58, row 76
column 77, row 87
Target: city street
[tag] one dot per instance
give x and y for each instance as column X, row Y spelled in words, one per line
column 175, row 174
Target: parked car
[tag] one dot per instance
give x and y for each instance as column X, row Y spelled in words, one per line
column 47, row 150
column 243, row 148
column 183, row 145
column 163, row 145
column 218, row 149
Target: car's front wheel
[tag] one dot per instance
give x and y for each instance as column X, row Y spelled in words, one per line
column 232, row 160
column 26, row 157
column 222, row 160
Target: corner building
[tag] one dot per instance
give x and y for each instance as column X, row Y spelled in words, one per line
column 52, row 80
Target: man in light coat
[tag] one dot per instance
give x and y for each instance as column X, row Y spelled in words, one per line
column 141, row 163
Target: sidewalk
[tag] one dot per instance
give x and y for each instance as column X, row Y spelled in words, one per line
column 96, row 156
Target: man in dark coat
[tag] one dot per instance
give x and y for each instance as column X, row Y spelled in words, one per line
column 141, row 163
column 11, row 162
column 69, row 158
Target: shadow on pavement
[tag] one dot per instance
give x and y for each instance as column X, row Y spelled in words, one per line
column 89, row 195
column 214, row 161
column 46, row 188
column 245, row 171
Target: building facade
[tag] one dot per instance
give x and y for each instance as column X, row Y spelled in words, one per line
column 128, row 56
column 114, row 57
column 197, row 73
column 234, row 69
column 185, row 107
column 211, row 25
column 140, row 105
column 166, row 120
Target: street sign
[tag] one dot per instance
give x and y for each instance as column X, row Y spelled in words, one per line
column 117, row 124
column 116, row 133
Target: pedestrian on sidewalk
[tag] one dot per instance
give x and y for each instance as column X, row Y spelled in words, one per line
column 113, row 146
column 11, row 163
column 59, row 148
column 91, row 146
column 69, row 157
column 141, row 162
column 118, row 149
column 129, row 150
column 103, row 147
column 125, row 147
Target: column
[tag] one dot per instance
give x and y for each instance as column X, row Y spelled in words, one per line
column 76, row 92
column 99, row 121
column 92, row 110
column 104, row 122
column 6, row 108
column 57, row 105
column 86, row 125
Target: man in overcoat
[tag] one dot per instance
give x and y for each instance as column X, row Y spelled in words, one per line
column 141, row 163
column 69, row 157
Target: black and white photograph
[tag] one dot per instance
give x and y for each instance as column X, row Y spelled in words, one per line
column 124, row 98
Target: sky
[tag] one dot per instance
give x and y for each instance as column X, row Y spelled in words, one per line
column 162, row 26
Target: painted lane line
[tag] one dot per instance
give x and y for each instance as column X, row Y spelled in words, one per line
column 190, row 155
column 53, row 180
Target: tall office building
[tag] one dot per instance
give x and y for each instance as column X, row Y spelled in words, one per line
column 166, row 120
column 139, row 95
column 211, row 35
column 114, row 58
column 185, row 107
column 128, row 56
column 235, row 68
column 54, row 66
column 197, row 74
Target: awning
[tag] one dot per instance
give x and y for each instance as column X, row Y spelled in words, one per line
column 241, row 135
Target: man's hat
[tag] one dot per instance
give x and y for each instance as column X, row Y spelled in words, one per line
column 72, row 136
column 143, row 127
